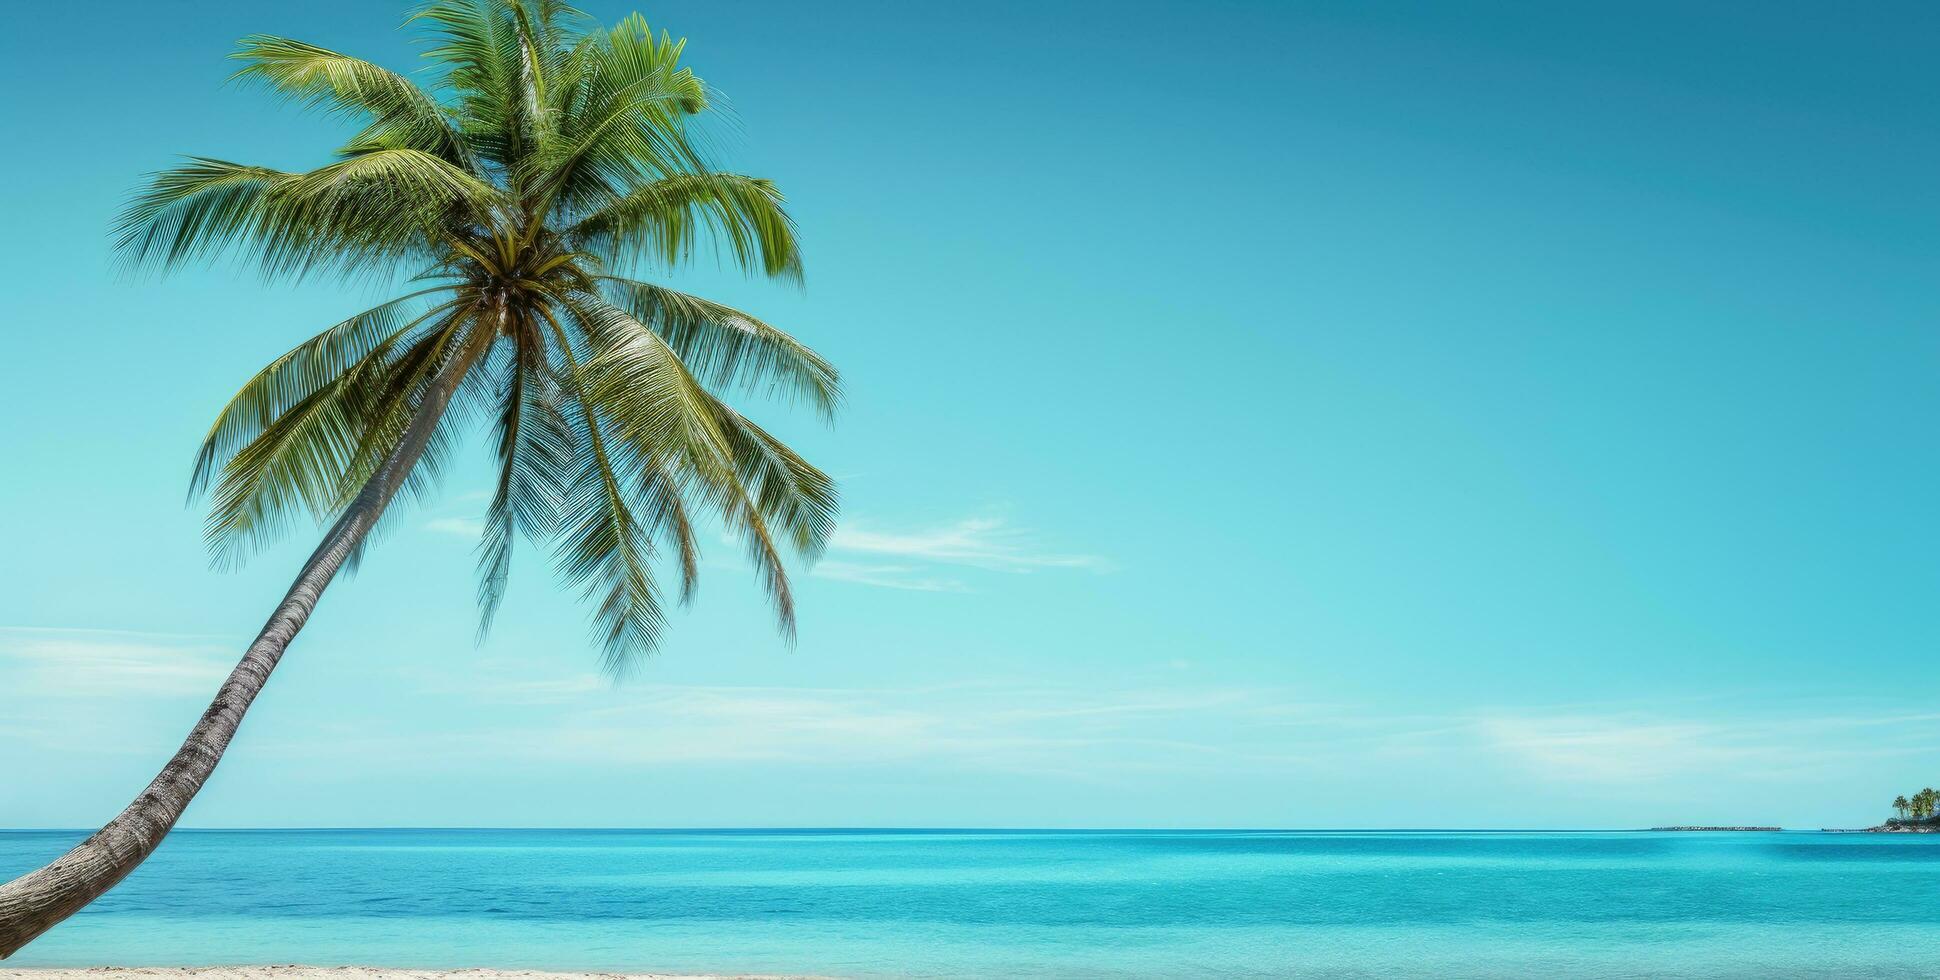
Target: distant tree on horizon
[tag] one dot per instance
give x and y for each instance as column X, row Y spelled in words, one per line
column 522, row 196
column 1924, row 802
column 1901, row 806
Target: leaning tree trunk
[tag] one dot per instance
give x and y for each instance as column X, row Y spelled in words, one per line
column 37, row 901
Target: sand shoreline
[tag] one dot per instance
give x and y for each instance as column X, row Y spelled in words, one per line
column 293, row 972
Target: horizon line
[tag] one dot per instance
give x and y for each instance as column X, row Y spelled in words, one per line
column 840, row 829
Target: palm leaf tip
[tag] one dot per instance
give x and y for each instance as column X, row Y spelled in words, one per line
column 727, row 347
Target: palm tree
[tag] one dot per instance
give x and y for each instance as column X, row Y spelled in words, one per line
column 553, row 161
column 1901, row 806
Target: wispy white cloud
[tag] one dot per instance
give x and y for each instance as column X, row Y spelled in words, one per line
column 500, row 688
column 908, row 577
column 43, row 662
column 978, row 542
column 1609, row 748
column 1629, row 745
column 988, row 544
column 469, row 527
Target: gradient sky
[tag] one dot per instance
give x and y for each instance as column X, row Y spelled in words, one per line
column 1260, row 414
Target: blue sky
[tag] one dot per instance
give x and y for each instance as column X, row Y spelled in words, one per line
column 1260, row 414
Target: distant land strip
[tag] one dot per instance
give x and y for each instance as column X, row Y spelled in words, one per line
column 1735, row 829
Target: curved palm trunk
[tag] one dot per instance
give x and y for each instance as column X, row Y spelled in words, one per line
column 37, row 901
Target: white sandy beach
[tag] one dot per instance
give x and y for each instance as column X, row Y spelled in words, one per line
column 334, row 973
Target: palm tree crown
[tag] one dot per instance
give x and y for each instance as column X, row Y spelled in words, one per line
column 521, row 193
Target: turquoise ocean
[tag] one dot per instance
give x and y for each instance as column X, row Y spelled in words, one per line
column 1020, row 903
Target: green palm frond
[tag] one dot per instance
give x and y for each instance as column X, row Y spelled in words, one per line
column 296, row 464
column 195, row 210
column 298, row 374
column 664, row 501
column 465, row 342
column 465, row 336
column 622, row 497
column 785, row 489
column 622, row 119
column 665, row 220
column 399, row 113
column 726, row 347
column 535, row 449
column 415, row 189
column 642, row 385
column 367, row 211
column 607, row 552
column 746, row 519
column 477, row 44
column 667, row 419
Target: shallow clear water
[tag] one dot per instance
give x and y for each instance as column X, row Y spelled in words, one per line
column 1020, row 903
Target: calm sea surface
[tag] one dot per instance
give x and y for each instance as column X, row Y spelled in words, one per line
column 946, row 903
